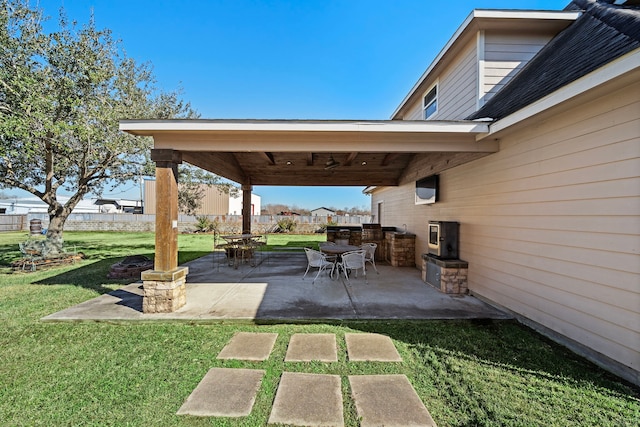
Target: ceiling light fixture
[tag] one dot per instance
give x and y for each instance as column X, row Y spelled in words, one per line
column 331, row 163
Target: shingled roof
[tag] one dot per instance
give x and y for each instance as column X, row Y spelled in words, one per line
column 601, row 34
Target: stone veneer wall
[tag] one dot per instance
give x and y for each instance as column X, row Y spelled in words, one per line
column 400, row 249
column 453, row 274
column 336, row 233
column 162, row 296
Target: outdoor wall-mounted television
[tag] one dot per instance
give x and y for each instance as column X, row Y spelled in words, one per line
column 427, row 190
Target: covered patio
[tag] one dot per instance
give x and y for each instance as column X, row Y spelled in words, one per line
column 274, row 290
column 290, row 152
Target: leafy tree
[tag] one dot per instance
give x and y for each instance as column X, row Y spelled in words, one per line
column 61, row 96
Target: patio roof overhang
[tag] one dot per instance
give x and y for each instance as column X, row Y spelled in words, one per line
column 297, row 152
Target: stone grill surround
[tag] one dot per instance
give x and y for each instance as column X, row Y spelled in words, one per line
column 400, row 249
column 453, row 274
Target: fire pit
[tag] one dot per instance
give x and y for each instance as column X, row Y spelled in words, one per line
column 130, row 267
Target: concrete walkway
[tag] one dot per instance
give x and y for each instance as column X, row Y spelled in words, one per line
column 371, row 348
column 249, row 346
column 310, row 399
column 310, row 347
column 224, row 392
column 275, row 290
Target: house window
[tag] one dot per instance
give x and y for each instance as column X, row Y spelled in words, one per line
column 430, row 102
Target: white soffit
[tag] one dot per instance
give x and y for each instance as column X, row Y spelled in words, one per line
column 153, row 127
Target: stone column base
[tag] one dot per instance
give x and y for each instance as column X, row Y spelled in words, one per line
column 164, row 291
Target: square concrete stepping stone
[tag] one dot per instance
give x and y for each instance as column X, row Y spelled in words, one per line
column 249, row 346
column 371, row 348
column 224, row 392
column 388, row 400
column 308, row 400
column 308, row 347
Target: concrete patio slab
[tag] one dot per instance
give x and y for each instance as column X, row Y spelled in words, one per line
column 388, row 400
column 308, row 400
column 254, row 346
column 274, row 290
column 371, row 348
column 308, row 347
column 224, row 393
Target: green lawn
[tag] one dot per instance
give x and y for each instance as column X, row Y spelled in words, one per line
column 486, row 373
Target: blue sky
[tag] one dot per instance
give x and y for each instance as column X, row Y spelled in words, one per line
column 305, row 59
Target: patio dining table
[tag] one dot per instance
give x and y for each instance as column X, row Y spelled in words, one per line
column 336, row 250
column 241, row 237
column 241, row 247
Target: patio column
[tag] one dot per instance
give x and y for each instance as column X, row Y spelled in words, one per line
column 246, row 207
column 164, row 289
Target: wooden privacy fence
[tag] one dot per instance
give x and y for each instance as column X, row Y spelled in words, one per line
column 13, row 222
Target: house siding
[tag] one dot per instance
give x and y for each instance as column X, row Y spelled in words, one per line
column 456, row 89
column 550, row 225
column 505, row 55
column 415, row 113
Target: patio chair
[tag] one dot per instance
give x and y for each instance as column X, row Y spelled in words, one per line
column 245, row 252
column 370, row 254
column 261, row 244
column 316, row 259
column 223, row 251
column 217, row 246
column 353, row 261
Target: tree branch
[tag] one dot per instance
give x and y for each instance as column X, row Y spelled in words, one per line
column 11, row 182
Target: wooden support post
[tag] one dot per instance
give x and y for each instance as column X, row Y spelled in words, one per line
column 246, row 208
column 164, row 286
column 167, row 161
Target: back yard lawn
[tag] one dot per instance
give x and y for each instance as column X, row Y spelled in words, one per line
column 486, row 373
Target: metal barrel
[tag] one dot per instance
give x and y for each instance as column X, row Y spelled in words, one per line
column 35, row 226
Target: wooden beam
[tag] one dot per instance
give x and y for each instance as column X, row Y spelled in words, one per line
column 309, row 159
column 350, row 158
column 389, row 158
column 223, row 164
column 321, row 178
column 268, row 157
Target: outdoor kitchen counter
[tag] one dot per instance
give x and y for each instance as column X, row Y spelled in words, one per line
column 400, row 248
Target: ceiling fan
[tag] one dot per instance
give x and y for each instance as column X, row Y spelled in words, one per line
column 331, row 163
